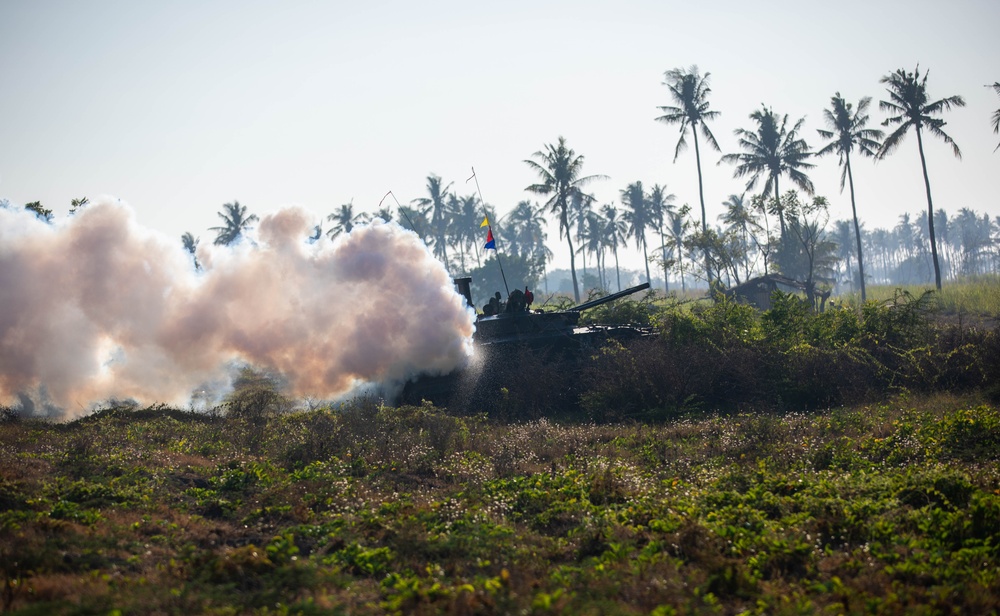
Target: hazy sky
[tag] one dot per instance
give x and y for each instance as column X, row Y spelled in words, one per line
column 179, row 107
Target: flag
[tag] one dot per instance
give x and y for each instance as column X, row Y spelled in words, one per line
column 490, row 242
column 485, row 223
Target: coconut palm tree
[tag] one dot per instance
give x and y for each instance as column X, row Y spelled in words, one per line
column 526, row 228
column 843, row 235
column 637, row 213
column 191, row 246
column 465, row 230
column 385, row 213
column 996, row 114
column 437, row 201
column 579, row 210
column 689, row 90
column 560, row 170
column 942, row 230
column 847, row 132
column 909, row 102
column 738, row 219
column 592, row 241
column 770, row 151
column 660, row 205
column 615, row 233
column 236, row 223
column 344, row 220
column 678, row 231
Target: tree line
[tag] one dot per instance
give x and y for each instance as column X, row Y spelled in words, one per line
column 758, row 233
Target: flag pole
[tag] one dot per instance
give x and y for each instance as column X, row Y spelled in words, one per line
column 490, row 227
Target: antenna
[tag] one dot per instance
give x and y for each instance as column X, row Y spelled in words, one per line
column 400, row 208
column 487, row 214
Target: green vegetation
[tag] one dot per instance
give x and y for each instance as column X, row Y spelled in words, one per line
column 975, row 296
column 885, row 509
column 771, row 474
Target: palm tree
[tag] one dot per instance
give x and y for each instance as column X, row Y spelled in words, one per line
column 344, row 220
column 42, row 212
column 847, row 132
column 843, row 236
column 660, row 205
column 996, row 114
column 385, row 213
column 616, row 232
column 559, row 169
column 908, row 100
column 526, row 228
column 678, row 229
column 690, row 91
column 639, row 219
column 738, row 218
column 579, row 210
column 942, row 231
column 592, row 240
column 190, row 245
column 236, row 224
column 771, row 150
column 466, row 232
column 437, row 201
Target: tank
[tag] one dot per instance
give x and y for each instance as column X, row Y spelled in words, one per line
column 557, row 328
column 519, row 338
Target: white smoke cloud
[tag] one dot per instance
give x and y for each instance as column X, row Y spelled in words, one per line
column 94, row 307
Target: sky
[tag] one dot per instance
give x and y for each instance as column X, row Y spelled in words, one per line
column 179, row 107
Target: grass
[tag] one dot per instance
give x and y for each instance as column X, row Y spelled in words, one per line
column 979, row 296
column 884, row 508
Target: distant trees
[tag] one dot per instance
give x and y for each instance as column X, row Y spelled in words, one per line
column 909, row 102
column 806, row 252
column 436, row 202
column 526, row 236
column 77, row 204
column 560, row 172
column 190, row 243
column 660, row 206
column 744, row 241
column 344, row 219
column 738, row 219
column 236, row 222
column 616, row 234
column 847, row 133
column 638, row 215
column 41, row 212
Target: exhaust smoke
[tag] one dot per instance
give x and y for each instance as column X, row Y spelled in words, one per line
column 94, row 307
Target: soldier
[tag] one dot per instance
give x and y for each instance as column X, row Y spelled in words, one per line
column 515, row 303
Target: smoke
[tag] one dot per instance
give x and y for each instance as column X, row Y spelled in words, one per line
column 94, row 307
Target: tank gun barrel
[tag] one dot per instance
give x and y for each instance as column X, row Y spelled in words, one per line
column 610, row 298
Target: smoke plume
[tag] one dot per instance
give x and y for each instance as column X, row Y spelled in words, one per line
column 94, row 307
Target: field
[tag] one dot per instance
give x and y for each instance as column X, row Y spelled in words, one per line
column 978, row 296
column 791, row 464
column 889, row 509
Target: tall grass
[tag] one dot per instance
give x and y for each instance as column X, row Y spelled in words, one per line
column 977, row 295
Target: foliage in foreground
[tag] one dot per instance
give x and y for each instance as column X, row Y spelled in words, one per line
column 728, row 355
column 885, row 509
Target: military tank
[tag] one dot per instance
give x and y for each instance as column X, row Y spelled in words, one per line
column 518, row 342
column 515, row 326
